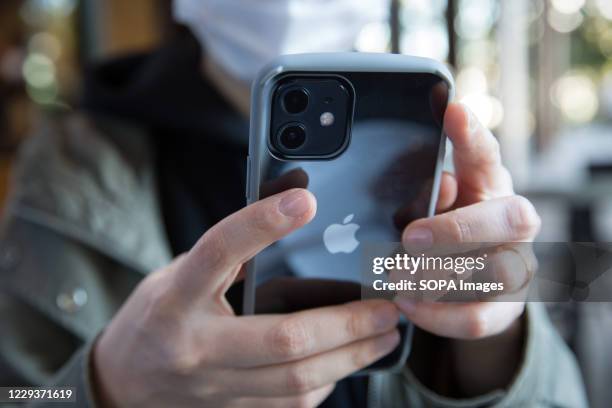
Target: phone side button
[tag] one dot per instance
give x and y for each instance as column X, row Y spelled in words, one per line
column 248, row 179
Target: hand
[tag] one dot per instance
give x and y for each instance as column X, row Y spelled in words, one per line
column 177, row 342
column 477, row 205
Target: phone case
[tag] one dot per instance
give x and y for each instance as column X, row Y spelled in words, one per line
column 387, row 175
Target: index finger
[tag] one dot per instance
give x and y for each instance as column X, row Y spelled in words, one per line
column 476, row 154
column 261, row 340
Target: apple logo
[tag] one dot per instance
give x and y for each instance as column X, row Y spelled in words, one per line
column 341, row 237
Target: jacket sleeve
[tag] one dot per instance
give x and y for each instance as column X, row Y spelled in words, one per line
column 35, row 352
column 80, row 229
column 549, row 376
column 75, row 374
column 46, row 333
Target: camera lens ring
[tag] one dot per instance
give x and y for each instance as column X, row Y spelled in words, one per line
column 292, row 136
column 295, row 100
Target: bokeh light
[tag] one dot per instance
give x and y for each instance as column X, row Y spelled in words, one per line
column 564, row 22
column 375, row 37
column 62, row 7
column 38, row 71
column 488, row 109
column 476, row 18
column 427, row 41
column 46, row 44
column 471, row 80
column 567, row 6
column 576, row 96
column 605, row 8
column 424, row 31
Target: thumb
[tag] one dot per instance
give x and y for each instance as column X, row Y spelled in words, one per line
column 214, row 262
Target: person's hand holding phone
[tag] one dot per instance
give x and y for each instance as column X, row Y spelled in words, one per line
column 177, row 342
column 477, row 204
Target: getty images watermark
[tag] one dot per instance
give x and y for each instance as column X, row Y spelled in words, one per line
column 547, row 272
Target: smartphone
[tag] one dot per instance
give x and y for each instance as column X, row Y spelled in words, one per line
column 364, row 133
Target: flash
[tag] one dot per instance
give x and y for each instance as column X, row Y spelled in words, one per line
column 327, row 119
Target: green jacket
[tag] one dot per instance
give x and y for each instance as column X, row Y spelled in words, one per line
column 83, row 227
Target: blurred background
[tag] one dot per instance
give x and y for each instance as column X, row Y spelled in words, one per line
column 536, row 72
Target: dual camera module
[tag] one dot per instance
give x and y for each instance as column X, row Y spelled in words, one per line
column 293, row 135
column 310, row 117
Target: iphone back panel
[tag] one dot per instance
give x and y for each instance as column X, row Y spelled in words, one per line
column 364, row 133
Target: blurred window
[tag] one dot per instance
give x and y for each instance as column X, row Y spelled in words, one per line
column 532, row 70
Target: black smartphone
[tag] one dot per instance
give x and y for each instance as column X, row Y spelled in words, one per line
column 364, row 133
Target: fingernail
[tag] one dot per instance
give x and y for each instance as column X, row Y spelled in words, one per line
column 419, row 237
column 408, row 306
column 295, row 204
column 388, row 341
column 386, row 317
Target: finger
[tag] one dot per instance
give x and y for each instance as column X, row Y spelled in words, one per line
column 466, row 321
column 312, row 399
column 300, row 377
column 509, row 219
column 476, row 154
column 513, row 267
column 262, row 340
column 448, row 192
column 214, row 262
column 507, row 272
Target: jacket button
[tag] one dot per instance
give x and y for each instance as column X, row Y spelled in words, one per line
column 72, row 302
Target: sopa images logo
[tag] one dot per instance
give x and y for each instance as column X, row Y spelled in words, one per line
column 341, row 238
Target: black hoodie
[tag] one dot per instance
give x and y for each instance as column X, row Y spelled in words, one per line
column 201, row 142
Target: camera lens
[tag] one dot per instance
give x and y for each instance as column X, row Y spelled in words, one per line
column 292, row 136
column 295, row 101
